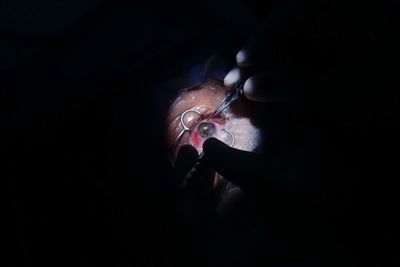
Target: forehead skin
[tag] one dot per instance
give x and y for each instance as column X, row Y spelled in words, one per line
column 208, row 95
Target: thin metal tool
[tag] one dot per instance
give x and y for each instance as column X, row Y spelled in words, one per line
column 233, row 95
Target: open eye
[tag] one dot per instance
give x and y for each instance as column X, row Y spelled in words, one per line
column 207, row 129
column 196, row 127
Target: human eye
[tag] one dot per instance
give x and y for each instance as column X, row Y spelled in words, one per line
column 188, row 120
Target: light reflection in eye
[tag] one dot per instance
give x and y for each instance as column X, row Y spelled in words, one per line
column 206, row 129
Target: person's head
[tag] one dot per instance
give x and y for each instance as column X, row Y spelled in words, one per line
column 194, row 105
column 234, row 125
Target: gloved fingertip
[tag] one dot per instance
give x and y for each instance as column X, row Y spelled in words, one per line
column 242, row 58
column 253, row 91
column 213, row 146
column 248, row 87
column 187, row 152
column 223, row 158
column 186, row 158
column 232, row 77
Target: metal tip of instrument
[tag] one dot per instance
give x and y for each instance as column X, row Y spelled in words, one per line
column 232, row 95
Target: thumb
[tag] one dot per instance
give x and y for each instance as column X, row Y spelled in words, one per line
column 240, row 167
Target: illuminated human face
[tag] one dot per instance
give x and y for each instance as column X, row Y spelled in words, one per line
column 198, row 103
column 233, row 126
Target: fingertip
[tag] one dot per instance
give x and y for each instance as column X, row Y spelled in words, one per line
column 211, row 144
column 187, row 152
column 186, row 157
column 215, row 150
column 249, row 89
column 232, row 77
column 242, row 58
column 223, row 159
column 253, row 91
column 248, row 86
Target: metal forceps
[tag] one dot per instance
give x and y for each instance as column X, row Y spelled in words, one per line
column 233, row 95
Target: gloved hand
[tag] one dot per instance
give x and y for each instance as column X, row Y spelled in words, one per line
column 195, row 182
column 288, row 173
column 268, row 51
column 195, row 206
column 305, row 61
column 318, row 54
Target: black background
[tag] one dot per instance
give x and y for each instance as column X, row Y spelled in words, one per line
column 82, row 105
